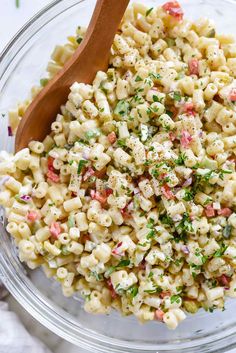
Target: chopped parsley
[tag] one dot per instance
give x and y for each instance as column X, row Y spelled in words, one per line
column 92, row 134
column 185, row 225
column 121, row 264
column 189, row 195
column 175, row 299
column 122, row 108
column 121, row 143
column 223, row 172
column 98, row 276
column 181, row 159
column 44, row 82
column 220, row 252
column 132, row 291
column 149, row 11
column 138, row 79
column 154, row 290
column 18, row 3
column 81, row 165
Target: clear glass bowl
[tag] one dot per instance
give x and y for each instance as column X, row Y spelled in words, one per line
column 22, row 64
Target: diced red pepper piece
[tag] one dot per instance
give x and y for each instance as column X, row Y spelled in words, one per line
column 232, row 95
column 159, row 314
column 185, row 139
column 32, row 216
column 111, row 288
column 125, row 213
column 193, row 66
column 142, row 265
column 189, row 108
column 53, row 176
column 50, row 164
column 117, row 250
column 226, row 212
column 100, row 173
column 89, row 172
column 172, row 136
column 174, row 9
column 165, row 189
column 224, row 280
column 55, row 230
column 86, row 237
column 209, row 211
column 100, row 196
column 112, row 137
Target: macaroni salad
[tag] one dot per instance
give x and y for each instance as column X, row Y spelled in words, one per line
column 130, row 200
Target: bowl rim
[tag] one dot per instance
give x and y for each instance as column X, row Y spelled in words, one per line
column 21, row 287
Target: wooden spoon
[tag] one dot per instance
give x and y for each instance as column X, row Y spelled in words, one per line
column 91, row 56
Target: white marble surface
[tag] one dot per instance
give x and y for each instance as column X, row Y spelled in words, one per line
column 11, row 20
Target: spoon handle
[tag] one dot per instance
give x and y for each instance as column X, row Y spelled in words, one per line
column 97, row 41
column 91, row 56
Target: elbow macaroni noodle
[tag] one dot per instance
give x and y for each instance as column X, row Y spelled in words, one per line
column 131, row 199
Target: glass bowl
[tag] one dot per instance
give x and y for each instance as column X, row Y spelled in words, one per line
column 22, row 64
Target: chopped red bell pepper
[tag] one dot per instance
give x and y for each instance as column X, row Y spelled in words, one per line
column 89, row 172
column 53, row 176
column 189, row 108
column 232, row 95
column 224, row 280
column 185, row 139
column 172, row 136
column 165, row 189
column 32, row 216
column 193, row 66
column 174, row 9
column 101, row 196
column 111, row 288
column 226, row 212
column 50, row 164
column 159, row 314
column 125, row 213
column 209, row 211
column 55, row 230
column 112, row 137
column 117, row 250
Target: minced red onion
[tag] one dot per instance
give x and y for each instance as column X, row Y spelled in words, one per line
column 25, row 198
column 10, row 133
column 185, row 250
column 136, row 191
column 130, row 206
column 86, row 153
column 188, row 182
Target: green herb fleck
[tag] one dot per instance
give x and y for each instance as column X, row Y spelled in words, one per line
column 138, row 79
column 175, row 299
column 44, row 82
column 132, row 291
column 92, row 134
column 81, row 165
column 149, row 11
column 221, row 251
column 122, row 108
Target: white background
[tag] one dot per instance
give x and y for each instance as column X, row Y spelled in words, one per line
column 11, row 20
